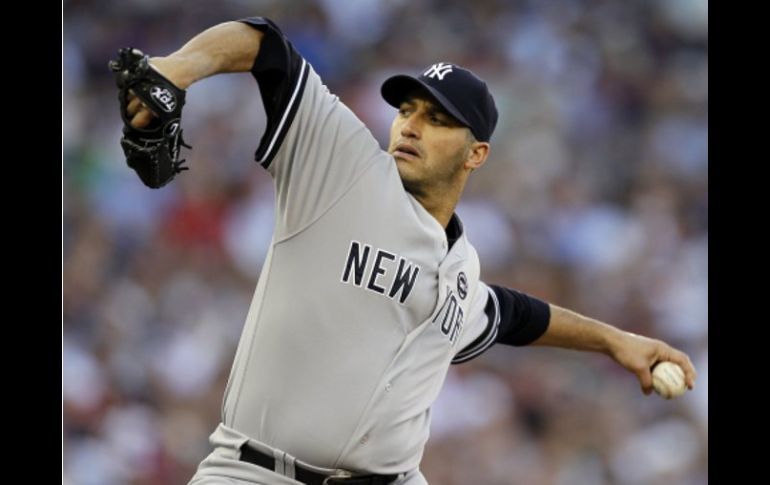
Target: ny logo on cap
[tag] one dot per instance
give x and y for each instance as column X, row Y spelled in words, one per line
column 438, row 70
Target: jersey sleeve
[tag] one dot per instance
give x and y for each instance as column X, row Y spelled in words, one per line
column 523, row 318
column 483, row 324
column 313, row 145
column 508, row 317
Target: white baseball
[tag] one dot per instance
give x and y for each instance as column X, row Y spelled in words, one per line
column 668, row 380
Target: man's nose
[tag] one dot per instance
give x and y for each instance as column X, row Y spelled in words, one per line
column 411, row 128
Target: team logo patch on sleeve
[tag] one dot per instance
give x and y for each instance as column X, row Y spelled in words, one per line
column 462, row 285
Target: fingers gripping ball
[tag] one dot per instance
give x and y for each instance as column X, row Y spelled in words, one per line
column 668, row 380
column 152, row 151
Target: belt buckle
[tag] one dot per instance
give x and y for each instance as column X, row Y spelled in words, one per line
column 337, row 474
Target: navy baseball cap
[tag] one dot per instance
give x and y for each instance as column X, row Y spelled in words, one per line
column 460, row 92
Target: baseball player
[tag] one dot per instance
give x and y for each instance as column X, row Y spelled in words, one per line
column 371, row 288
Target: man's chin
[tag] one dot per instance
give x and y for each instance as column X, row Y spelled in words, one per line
column 403, row 169
column 409, row 185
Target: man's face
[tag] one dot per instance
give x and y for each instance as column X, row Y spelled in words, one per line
column 429, row 145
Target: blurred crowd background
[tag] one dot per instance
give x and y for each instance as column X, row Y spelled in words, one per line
column 595, row 197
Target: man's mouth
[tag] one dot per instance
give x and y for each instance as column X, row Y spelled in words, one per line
column 407, row 152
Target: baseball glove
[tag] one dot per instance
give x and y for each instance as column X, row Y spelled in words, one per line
column 152, row 151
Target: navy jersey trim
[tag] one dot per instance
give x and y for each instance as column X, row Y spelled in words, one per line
column 523, row 318
column 487, row 337
column 454, row 230
column 266, row 152
column 281, row 74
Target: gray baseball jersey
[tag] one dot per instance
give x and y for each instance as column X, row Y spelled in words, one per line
column 361, row 305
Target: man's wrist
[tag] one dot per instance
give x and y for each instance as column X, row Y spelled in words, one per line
column 612, row 340
column 181, row 70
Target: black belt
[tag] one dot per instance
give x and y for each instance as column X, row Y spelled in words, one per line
column 309, row 477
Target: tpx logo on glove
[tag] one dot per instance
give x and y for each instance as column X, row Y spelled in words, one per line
column 164, row 98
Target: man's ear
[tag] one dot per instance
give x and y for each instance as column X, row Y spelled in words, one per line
column 477, row 155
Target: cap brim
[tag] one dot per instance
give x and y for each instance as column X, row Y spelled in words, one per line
column 395, row 89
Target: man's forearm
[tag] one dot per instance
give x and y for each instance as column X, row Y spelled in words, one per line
column 225, row 48
column 570, row 330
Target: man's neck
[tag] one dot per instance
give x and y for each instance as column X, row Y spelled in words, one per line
column 441, row 213
column 441, row 203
